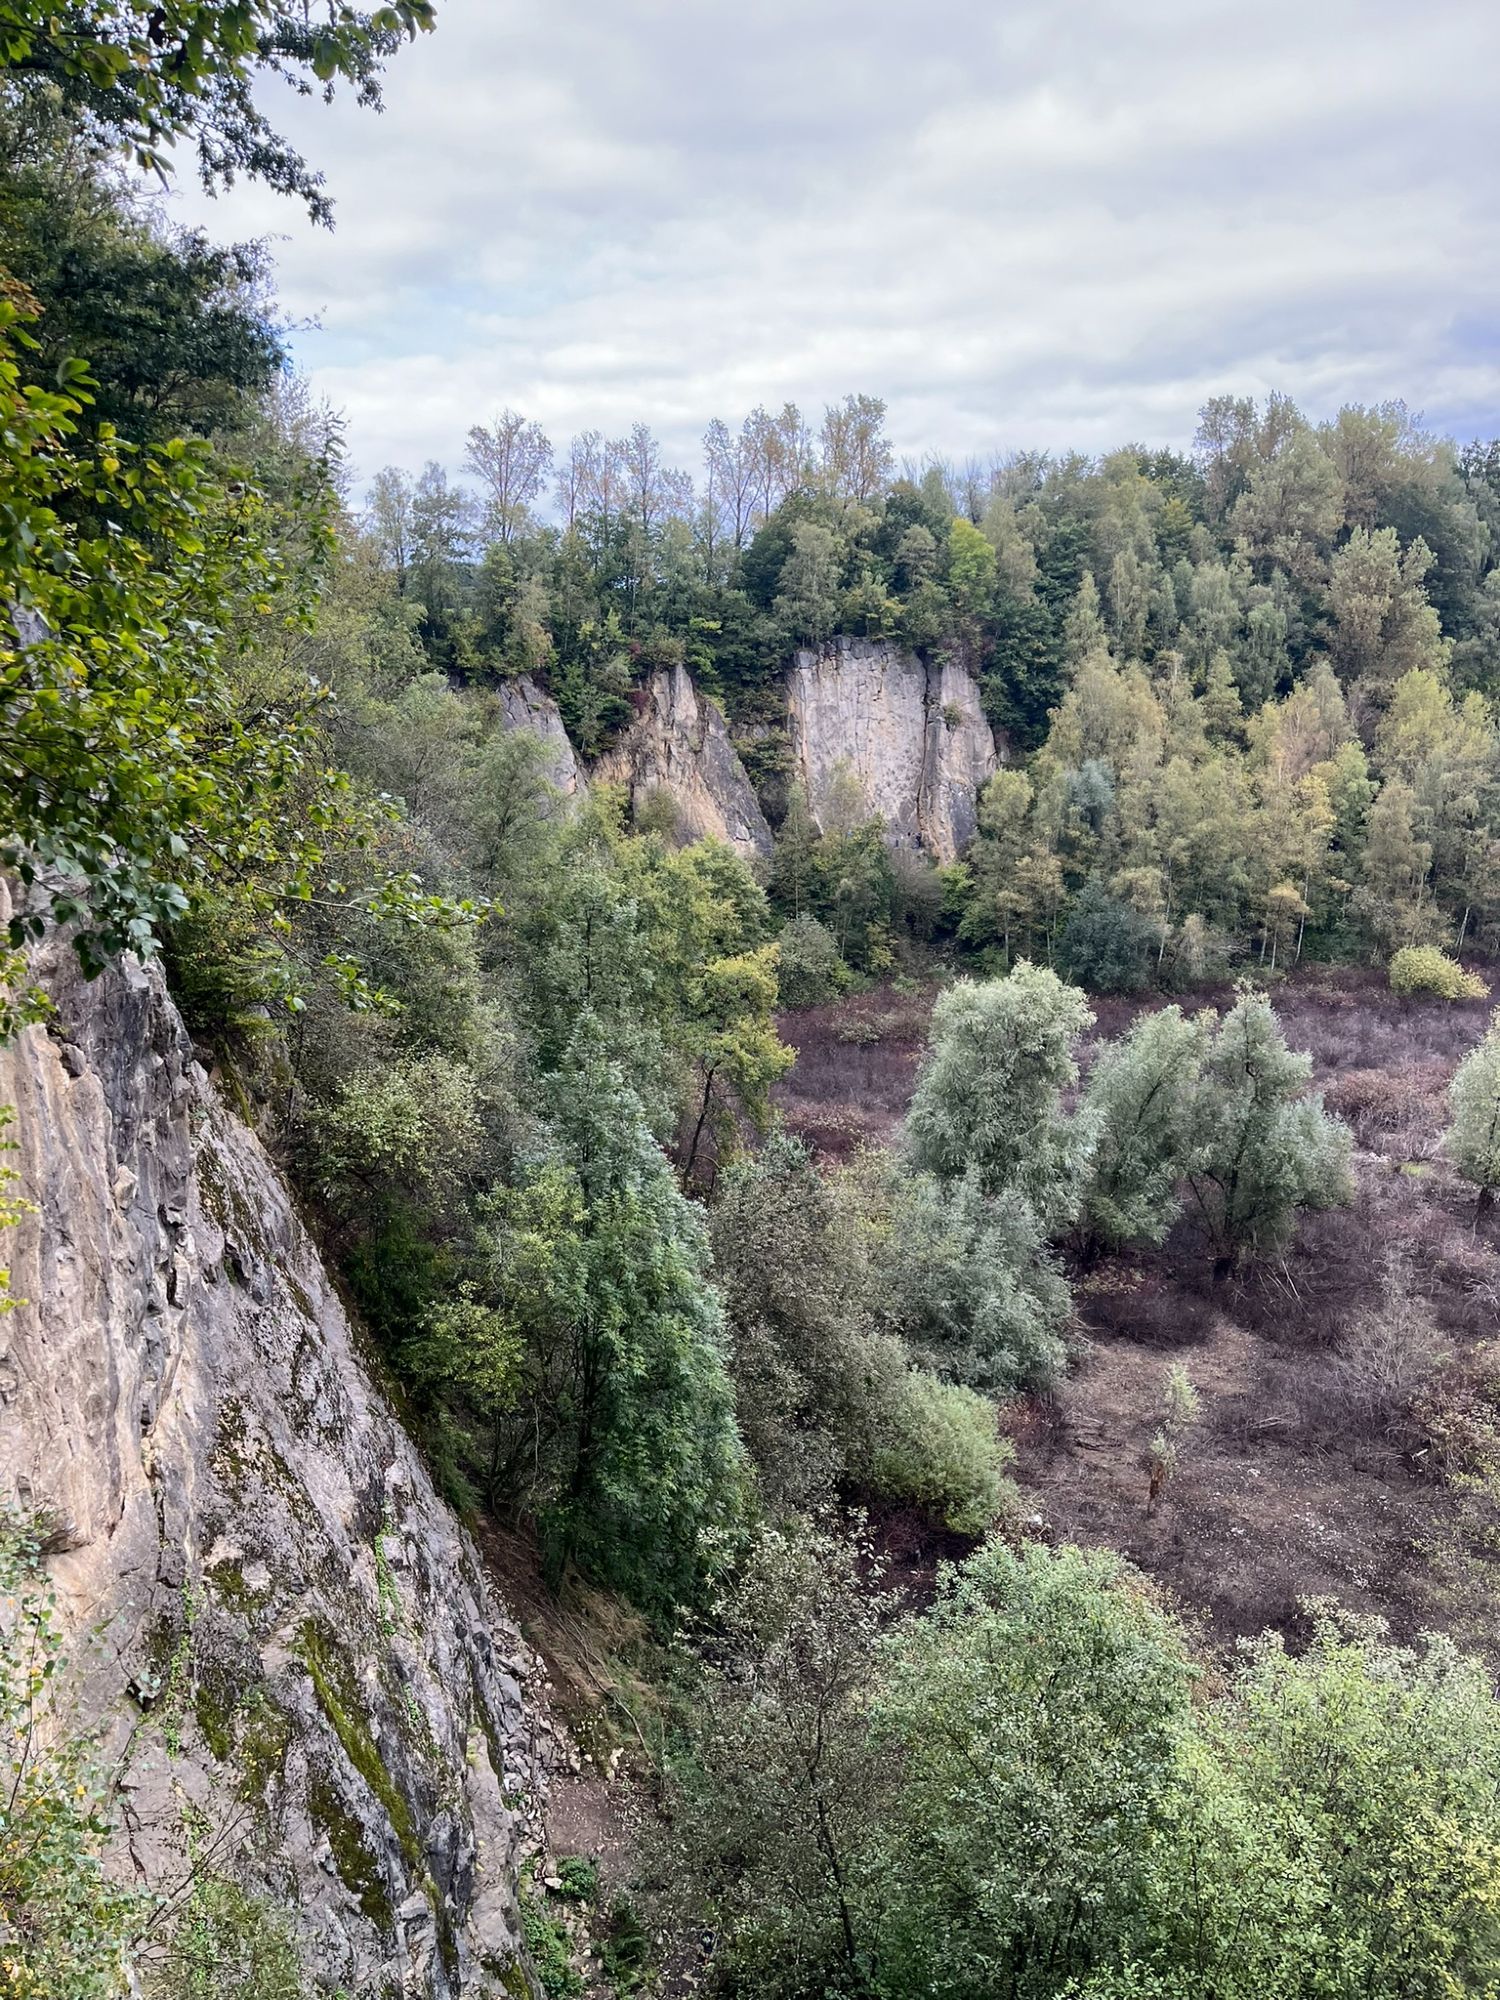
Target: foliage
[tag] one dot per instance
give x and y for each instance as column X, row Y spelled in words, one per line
column 966, row 1282
column 1424, row 969
column 809, row 969
column 1036, row 1716
column 1105, row 945
column 151, row 76
column 788, row 1256
column 1179, row 1409
column 987, row 1098
column 1474, row 1099
column 64, row 1926
column 624, row 1378
column 935, row 1444
column 1260, row 1150
column 774, row 1808
column 1035, row 1789
column 1137, row 1108
column 225, row 1944
column 134, row 772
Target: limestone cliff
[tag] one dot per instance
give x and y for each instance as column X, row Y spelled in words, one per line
column 299, row 1647
column 678, row 745
column 912, row 737
column 524, row 706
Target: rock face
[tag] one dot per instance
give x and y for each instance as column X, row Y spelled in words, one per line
column 524, row 706
column 298, row 1640
column 913, row 738
column 678, row 745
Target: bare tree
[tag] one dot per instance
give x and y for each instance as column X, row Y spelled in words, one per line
column 512, row 457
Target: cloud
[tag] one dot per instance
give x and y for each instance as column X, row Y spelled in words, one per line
column 1037, row 226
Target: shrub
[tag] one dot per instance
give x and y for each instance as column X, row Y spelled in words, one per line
column 1422, row 968
column 1390, row 1353
column 937, row 1446
column 1391, row 1111
column 810, row 969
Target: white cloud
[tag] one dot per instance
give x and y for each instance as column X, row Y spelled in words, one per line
column 1053, row 225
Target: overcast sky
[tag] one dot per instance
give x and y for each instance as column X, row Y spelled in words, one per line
column 1021, row 222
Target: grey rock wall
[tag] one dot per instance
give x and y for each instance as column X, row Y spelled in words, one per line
column 678, row 744
column 523, row 705
column 292, row 1635
column 910, row 738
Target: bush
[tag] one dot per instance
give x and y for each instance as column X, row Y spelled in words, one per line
column 1391, row 1353
column 809, row 968
column 937, row 1446
column 1422, row 968
column 969, row 1285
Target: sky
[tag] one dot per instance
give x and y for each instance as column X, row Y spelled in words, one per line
column 1022, row 223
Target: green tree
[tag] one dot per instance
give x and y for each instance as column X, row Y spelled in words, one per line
column 987, row 1099
column 1261, row 1149
column 1474, row 1102
column 806, row 606
column 1138, row 1106
column 641, row 1466
column 809, row 970
column 966, row 1283
column 1105, row 945
column 135, row 771
column 775, row 1809
column 1038, row 1716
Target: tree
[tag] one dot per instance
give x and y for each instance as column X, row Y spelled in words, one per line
column 1105, row 945
column 966, row 1283
column 624, row 1442
column 1138, row 1106
column 1384, row 626
column 734, row 1044
column 1474, row 1101
column 135, row 774
column 152, row 76
column 854, row 456
column 774, row 1814
column 391, row 519
column 1037, row 1717
column 998, row 1057
column 512, row 458
column 1083, row 631
column 178, row 332
column 809, row 970
column 1260, row 1149
column 806, row 604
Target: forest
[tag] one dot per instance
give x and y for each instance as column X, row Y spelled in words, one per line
column 755, row 1407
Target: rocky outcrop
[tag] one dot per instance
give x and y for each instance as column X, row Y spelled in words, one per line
column 524, row 706
column 910, row 738
column 678, row 746
column 298, row 1652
